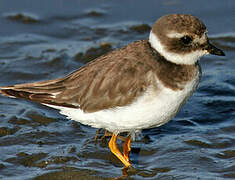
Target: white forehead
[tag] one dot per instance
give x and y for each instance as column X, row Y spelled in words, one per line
column 196, row 39
column 174, row 34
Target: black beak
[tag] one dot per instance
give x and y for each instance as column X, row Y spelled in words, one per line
column 214, row 50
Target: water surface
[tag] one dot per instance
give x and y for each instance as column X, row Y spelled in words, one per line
column 42, row 40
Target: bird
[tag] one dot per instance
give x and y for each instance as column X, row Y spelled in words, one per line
column 139, row 86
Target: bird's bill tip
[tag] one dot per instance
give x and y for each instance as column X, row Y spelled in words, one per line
column 211, row 49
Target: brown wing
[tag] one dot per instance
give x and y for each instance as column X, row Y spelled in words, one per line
column 115, row 79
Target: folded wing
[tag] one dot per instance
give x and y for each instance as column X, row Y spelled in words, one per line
column 112, row 80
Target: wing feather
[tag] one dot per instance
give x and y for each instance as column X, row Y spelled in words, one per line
column 112, row 80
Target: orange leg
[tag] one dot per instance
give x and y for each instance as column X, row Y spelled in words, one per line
column 97, row 134
column 109, row 134
column 114, row 149
column 106, row 134
column 127, row 148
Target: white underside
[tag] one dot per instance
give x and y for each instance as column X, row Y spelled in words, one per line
column 150, row 110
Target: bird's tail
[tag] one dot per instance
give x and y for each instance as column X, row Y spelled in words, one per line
column 43, row 92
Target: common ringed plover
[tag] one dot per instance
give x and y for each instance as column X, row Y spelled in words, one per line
column 139, row 86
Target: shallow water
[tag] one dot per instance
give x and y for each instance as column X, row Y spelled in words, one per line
column 42, row 40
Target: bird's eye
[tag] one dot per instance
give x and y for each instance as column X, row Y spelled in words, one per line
column 186, row 40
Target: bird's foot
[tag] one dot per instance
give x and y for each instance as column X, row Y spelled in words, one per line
column 124, row 158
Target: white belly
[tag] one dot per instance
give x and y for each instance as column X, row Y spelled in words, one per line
column 152, row 109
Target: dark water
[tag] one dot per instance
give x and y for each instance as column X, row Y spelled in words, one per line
column 44, row 39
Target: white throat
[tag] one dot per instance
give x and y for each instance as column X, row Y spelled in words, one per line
column 189, row 58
